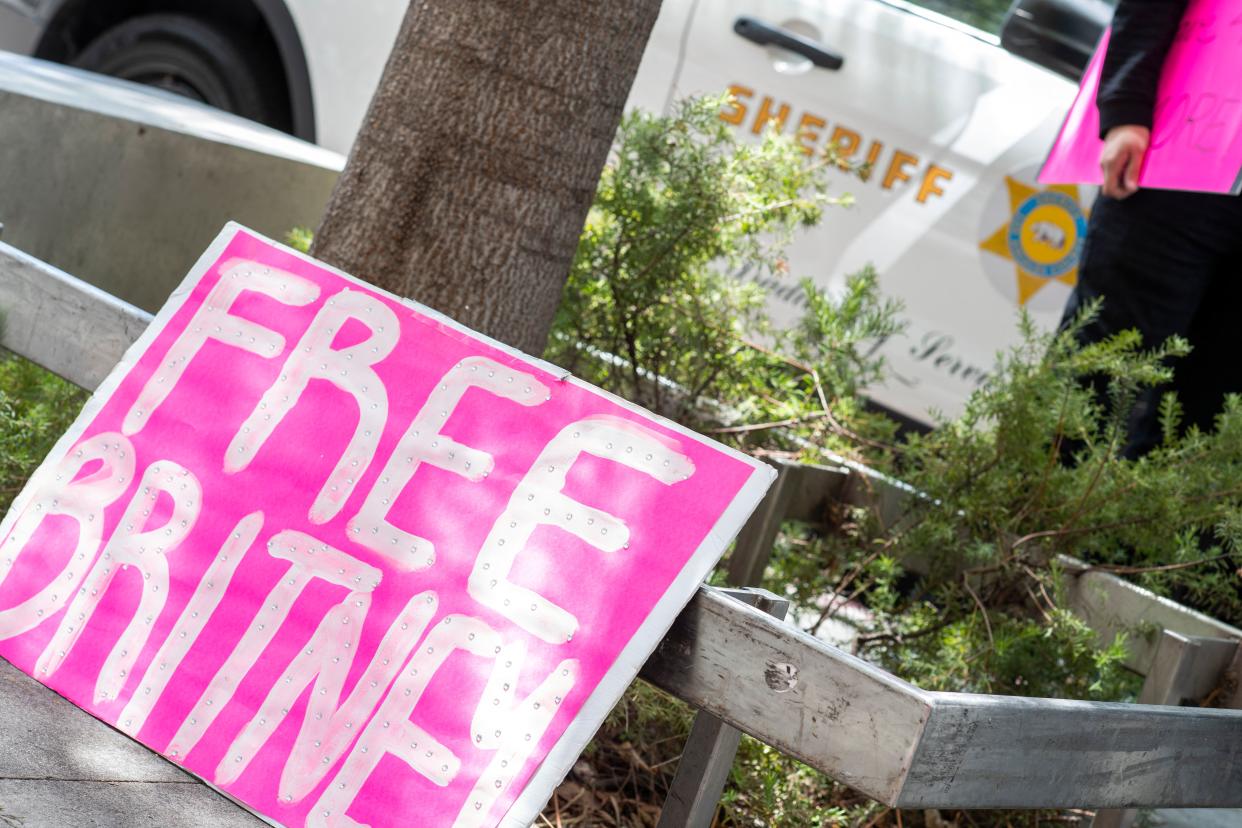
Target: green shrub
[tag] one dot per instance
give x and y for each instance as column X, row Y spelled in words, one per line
column 651, row 313
column 36, row 408
column 1032, row 469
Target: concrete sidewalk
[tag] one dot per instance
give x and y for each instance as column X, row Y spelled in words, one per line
column 62, row 768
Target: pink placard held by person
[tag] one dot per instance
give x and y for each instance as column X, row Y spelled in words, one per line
column 1196, row 139
column 350, row 562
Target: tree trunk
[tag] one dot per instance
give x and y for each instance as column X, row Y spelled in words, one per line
column 470, row 181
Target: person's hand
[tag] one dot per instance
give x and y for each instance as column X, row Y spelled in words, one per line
column 1121, row 158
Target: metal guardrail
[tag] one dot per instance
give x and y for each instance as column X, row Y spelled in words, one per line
column 1187, row 658
column 901, row 745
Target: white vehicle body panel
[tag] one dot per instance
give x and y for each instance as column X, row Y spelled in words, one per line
column 346, row 45
column 946, row 117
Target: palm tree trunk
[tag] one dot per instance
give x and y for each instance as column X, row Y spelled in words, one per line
column 469, row 183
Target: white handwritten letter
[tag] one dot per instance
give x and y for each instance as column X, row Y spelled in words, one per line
column 311, row 559
column 212, row 320
column 424, row 443
column 349, row 369
column 392, row 732
column 538, row 500
column 143, row 548
column 330, row 724
column 82, row 500
column 188, row 627
column 511, row 729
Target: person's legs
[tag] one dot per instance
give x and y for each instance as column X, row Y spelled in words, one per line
column 1151, row 258
column 1214, row 367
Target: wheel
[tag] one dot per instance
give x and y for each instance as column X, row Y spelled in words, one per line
column 192, row 58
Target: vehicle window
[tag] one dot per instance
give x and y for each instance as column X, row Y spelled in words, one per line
column 982, row 14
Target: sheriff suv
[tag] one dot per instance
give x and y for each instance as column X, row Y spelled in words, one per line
column 953, row 103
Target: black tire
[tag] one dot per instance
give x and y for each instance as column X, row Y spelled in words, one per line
column 192, row 58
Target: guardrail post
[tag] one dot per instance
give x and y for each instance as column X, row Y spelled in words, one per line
column 754, row 543
column 710, row 748
column 800, row 492
column 1185, row 671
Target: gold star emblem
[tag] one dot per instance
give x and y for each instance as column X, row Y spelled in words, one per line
column 1043, row 237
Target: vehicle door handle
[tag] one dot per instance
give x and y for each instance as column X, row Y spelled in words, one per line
column 766, row 34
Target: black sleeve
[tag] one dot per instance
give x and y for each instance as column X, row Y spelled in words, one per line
column 1143, row 31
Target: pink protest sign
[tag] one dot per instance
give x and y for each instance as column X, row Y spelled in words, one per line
column 1196, row 140
column 350, row 562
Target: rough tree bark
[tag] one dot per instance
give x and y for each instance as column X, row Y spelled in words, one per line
column 469, row 183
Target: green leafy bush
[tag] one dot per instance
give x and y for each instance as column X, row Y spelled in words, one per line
column 651, row 313
column 1032, row 470
column 36, row 408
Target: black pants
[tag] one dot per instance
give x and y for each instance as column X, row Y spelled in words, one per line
column 1167, row 263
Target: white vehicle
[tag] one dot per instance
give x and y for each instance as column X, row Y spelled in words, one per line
column 954, row 126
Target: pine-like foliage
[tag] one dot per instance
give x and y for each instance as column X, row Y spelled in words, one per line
column 650, row 310
column 1032, row 470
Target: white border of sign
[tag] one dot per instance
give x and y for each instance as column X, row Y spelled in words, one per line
column 561, row 758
